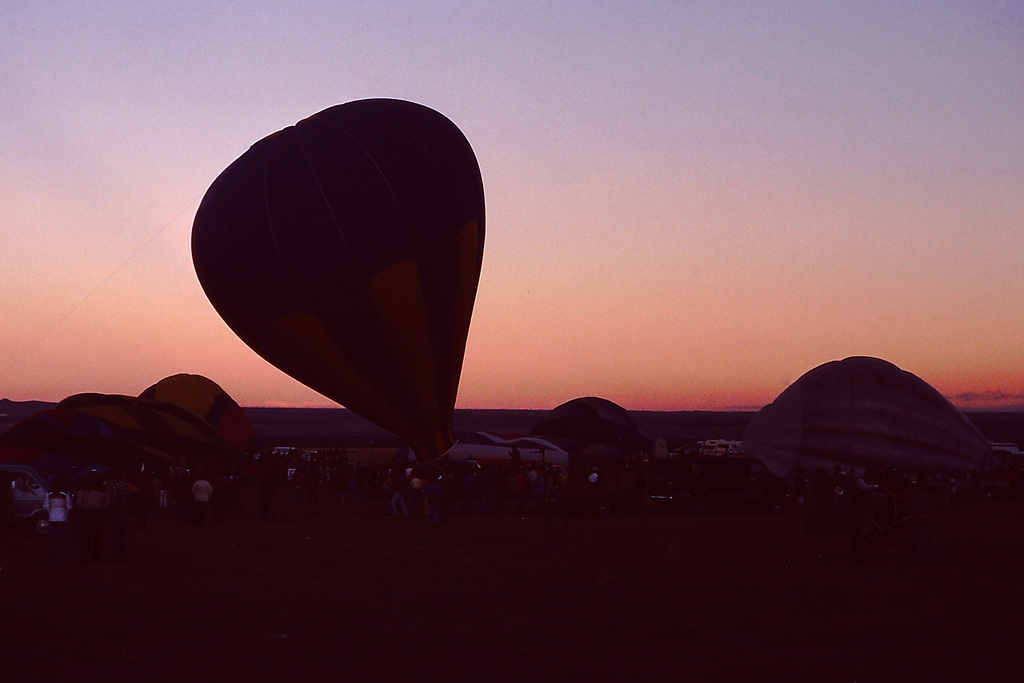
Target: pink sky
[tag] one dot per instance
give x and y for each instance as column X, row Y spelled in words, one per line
column 687, row 208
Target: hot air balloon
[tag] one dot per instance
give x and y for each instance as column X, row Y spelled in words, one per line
column 605, row 453
column 866, row 413
column 116, row 431
column 208, row 400
column 346, row 250
column 591, row 420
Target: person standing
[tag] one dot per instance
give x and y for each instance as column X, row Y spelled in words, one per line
column 182, row 487
column 923, row 507
column 399, row 488
column 202, row 490
column 267, row 485
column 120, row 493
column 220, row 499
column 90, row 507
column 5, row 498
column 58, row 507
column 554, row 499
column 433, row 491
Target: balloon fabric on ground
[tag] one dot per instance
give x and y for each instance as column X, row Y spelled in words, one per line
column 346, row 250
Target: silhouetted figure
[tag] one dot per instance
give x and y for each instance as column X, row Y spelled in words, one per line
column 267, row 485
column 520, row 489
column 433, row 490
column 554, row 500
column 5, row 499
column 220, row 499
column 120, row 511
column 448, row 495
column 488, row 485
column 182, row 486
column 202, row 491
column 800, row 486
column 399, row 488
column 860, row 494
column 58, row 506
column 90, row 507
column 923, row 506
column 468, row 491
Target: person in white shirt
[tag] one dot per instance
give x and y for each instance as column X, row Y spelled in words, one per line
column 58, row 507
column 201, row 492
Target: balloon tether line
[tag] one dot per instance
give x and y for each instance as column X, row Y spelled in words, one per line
column 81, row 302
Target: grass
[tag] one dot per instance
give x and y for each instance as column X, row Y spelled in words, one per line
column 343, row 592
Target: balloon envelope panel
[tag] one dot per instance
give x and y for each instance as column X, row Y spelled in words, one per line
column 866, row 413
column 346, row 250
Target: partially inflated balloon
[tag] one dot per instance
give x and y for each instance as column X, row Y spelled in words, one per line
column 867, row 413
column 346, row 250
column 208, row 400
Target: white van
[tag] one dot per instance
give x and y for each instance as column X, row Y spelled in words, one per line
column 25, row 497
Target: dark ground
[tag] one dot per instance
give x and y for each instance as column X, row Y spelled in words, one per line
column 340, row 591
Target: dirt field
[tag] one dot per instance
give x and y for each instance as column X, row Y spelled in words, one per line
column 340, row 591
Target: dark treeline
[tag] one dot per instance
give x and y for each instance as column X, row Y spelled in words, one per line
column 337, row 426
column 340, row 427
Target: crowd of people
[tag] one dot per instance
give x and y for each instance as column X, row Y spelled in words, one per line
column 81, row 515
column 433, row 490
column 86, row 512
column 879, row 509
column 289, row 478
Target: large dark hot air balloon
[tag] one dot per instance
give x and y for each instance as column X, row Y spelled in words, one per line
column 346, row 250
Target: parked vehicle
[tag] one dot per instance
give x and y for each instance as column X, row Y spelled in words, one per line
column 1004, row 480
column 699, row 483
column 26, row 494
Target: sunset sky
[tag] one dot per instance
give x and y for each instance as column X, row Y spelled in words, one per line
column 689, row 205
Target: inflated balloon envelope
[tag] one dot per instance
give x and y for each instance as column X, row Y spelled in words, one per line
column 346, row 250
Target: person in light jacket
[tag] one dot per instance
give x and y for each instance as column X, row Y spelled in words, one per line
column 201, row 492
column 58, row 507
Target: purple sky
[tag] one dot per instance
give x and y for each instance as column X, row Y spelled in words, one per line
column 689, row 204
